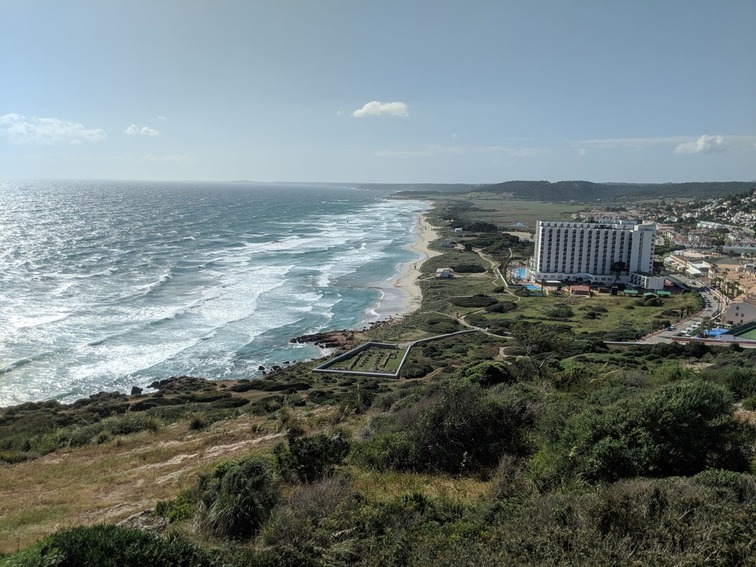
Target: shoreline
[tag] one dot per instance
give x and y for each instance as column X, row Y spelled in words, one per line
column 406, row 281
column 404, row 285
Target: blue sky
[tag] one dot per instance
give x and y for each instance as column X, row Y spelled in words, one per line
column 473, row 91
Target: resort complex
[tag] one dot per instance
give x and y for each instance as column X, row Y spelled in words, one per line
column 597, row 252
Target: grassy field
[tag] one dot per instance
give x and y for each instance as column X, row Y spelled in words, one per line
column 749, row 335
column 502, row 211
column 597, row 314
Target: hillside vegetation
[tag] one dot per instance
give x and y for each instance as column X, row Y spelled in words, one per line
column 533, row 442
column 584, row 191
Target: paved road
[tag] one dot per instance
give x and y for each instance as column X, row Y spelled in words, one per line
column 713, row 306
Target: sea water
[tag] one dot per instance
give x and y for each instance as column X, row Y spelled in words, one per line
column 109, row 285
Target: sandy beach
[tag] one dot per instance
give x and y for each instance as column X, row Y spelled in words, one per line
column 406, row 281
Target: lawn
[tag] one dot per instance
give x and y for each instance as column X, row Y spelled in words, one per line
column 750, row 335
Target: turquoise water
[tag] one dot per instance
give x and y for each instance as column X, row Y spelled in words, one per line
column 108, row 285
column 520, row 273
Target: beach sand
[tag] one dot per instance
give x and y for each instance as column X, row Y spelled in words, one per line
column 406, row 281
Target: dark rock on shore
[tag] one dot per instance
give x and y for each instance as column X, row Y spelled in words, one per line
column 329, row 339
column 182, row 384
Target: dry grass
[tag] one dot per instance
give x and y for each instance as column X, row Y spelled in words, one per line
column 109, row 482
column 393, row 483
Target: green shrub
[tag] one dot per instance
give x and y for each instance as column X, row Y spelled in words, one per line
column 197, row 422
column 180, row 508
column 461, row 428
column 479, row 300
column 441, row 325
column 501, row 307
column 560, row 312
column 237, row 499
column 382, row 452
column 741, row 486
column 414, row 370
column 488, row 373
column 310, row 458
column 750, row 403
column 111, row 546
column 468, row 268
column 680, row 429
column 229, row 403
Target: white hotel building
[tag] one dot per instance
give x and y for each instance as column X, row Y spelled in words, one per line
column 586, row 251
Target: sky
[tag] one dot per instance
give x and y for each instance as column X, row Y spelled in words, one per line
column 386, row 91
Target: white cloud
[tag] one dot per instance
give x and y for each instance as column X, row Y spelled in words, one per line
column 680, row 144
column 135, row 130
column 703, row 145
column 161, row 118
column 625, row 143
column 375, row 108
column 47, row 131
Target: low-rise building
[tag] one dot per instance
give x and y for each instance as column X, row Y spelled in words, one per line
column 647, row 281
column 740, row 311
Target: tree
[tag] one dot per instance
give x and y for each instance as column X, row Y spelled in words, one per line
column 617, row 268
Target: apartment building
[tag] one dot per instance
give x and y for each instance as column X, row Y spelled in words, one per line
column 588, row 250
column 741, row 311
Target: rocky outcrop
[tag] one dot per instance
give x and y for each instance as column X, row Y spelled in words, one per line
column 330, row 339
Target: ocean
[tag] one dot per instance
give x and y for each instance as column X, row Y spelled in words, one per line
column 109, row 285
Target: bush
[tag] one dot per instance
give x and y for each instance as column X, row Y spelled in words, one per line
column 680, row 429
column 479, row 300
column 106, row 546
column 310, row 458
column 237, row 499
column 468, row 268
column 382, row 452
column 413, row 370
column 501, row 307
column 441, row 325
column 742, row 486
column 488, row 373
column 460, row 429
column 560, row 312
column 740, row 380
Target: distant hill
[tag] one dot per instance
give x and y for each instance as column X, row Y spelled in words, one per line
column 418, row 188
column 585, row 191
